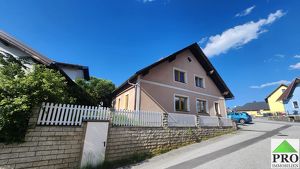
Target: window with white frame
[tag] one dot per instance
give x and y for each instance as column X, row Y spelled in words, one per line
column 217, row 108
column 201, row 106
column 295, row 104
column 180, row 76
column 199, row 82
column 181, row 103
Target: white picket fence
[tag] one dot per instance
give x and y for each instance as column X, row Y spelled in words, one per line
column 136, row 118
column 68, row 114
column 181, row 120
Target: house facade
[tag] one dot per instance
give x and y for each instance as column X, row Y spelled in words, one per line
column 10, row 45
column 255, row 109
column 276, row 106
column 291, row 98
column 184, row 82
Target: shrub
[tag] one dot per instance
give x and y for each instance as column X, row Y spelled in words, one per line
column 21, row 89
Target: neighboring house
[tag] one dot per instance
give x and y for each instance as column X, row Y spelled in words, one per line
column 17, row 49
column 184, row 82
column 71, row 72
column 253, row 108
column 276, row 106
column 291, row 98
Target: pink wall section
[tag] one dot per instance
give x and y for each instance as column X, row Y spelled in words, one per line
column 158, row 88
column 163, row 74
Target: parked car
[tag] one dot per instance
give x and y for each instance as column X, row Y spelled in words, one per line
column 241, row 117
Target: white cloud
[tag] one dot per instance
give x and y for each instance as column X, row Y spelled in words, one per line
column 277, row 58
column 297, row 56
column 280, row 55
column 245, row 12
column 203, row 40
column 270, row 84
column 146, row 1
column 239, row 35
column 295, row 66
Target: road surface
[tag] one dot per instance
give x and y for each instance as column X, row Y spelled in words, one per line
column 248, row 148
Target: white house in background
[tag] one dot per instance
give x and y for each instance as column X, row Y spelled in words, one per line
column 17, row 49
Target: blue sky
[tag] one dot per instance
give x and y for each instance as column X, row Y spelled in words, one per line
column 254, row 45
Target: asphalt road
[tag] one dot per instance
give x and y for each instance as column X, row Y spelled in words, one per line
column 248, row 148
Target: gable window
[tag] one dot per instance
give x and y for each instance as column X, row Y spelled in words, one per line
column 217, row 108
column 179, row 76
column 201, row 106
column 126, row 101
column 199, row 82
column 283, row 90
column 181, row 103
column 295, row 104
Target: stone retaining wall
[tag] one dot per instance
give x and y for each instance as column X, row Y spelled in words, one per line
column 45, row 147
column 126, row 141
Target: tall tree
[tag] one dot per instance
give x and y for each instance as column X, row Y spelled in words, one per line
column 100, row 89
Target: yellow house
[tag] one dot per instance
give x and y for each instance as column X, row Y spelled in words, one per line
column 276, row 106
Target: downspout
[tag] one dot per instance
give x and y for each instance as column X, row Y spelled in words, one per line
column 137, row 92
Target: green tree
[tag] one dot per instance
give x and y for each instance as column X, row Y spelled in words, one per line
column 21, row 89
column 100, row 89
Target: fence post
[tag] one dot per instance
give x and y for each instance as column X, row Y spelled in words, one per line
column 111, row 116
column 220, row 122
column 165, row 120
column 198, row 120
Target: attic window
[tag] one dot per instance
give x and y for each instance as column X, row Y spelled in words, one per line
column 189, row 59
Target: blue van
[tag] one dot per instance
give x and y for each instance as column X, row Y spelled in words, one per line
column 241, row 117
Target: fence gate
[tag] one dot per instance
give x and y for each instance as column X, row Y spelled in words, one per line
column 95, row 142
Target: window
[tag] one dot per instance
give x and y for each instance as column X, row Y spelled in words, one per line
column 126, row 101
column 180, row 76
column 283, row 90
column 295, row 104
column 119, row 102
column 199, row 82
column 181, row 103
column 217, row 108
column 201, row 106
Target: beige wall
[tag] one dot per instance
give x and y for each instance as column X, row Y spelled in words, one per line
column 148, row 103
column 164, row 87
column 120, row 99
column 124, row 142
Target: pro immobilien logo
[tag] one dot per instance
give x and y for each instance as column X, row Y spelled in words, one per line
column 284, row 153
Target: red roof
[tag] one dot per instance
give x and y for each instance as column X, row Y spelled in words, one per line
column 288, row 92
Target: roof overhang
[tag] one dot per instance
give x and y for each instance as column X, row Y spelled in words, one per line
column 201, row 58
